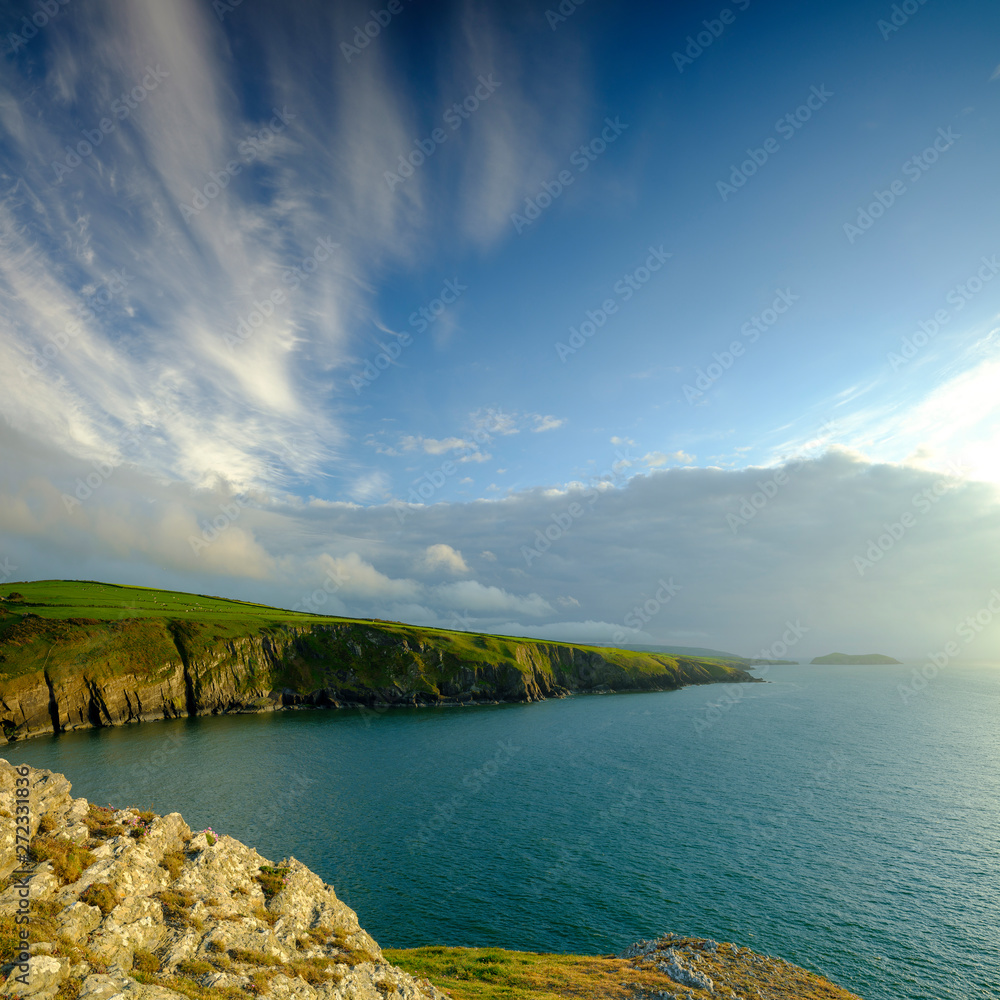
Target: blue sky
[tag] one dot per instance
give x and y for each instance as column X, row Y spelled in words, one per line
column 214, row 195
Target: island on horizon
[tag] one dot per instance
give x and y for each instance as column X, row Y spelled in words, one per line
column 853, row 659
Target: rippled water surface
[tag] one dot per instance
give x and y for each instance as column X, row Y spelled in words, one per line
column 816, row 817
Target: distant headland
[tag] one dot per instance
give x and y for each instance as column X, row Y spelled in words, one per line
column 851, row 659
column 79, row 654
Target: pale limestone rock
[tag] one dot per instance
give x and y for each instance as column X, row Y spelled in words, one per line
column 216, row 903
column 98, row 987
column 44, row 975
column 39, row 885
column 77, row 921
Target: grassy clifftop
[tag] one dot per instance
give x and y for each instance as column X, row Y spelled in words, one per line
column 75, row 654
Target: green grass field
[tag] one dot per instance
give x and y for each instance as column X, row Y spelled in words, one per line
column 80, row 637
column 498, row 974
column 85, row 603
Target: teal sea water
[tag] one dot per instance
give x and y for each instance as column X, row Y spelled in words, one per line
column 817, row 817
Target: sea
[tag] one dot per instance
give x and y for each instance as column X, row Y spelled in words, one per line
column 845, row 818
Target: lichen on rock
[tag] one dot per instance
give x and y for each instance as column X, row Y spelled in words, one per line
column 159, row 913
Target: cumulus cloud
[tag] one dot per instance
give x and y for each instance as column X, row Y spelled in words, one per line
column 441, row 556
column 547, row 423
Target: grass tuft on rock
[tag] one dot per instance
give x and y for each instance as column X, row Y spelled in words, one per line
column 68, row 860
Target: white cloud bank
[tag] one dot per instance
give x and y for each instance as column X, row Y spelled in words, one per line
column 866, row 557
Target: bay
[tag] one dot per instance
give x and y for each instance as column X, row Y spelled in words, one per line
column 823, row 817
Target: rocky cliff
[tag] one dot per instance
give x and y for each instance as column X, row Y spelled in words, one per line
column 99, row 903
column 105, row 904
column 64, row 674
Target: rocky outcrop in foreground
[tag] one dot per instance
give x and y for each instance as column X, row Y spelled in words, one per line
column 99, row 903
column 125, row 904
column 705, row 968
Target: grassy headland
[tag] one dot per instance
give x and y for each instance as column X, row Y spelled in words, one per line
column 75, row 654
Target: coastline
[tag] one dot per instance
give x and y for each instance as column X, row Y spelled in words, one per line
column 125, row 903
column 63, row 672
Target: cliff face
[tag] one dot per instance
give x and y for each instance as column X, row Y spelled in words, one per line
column 99, row 674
